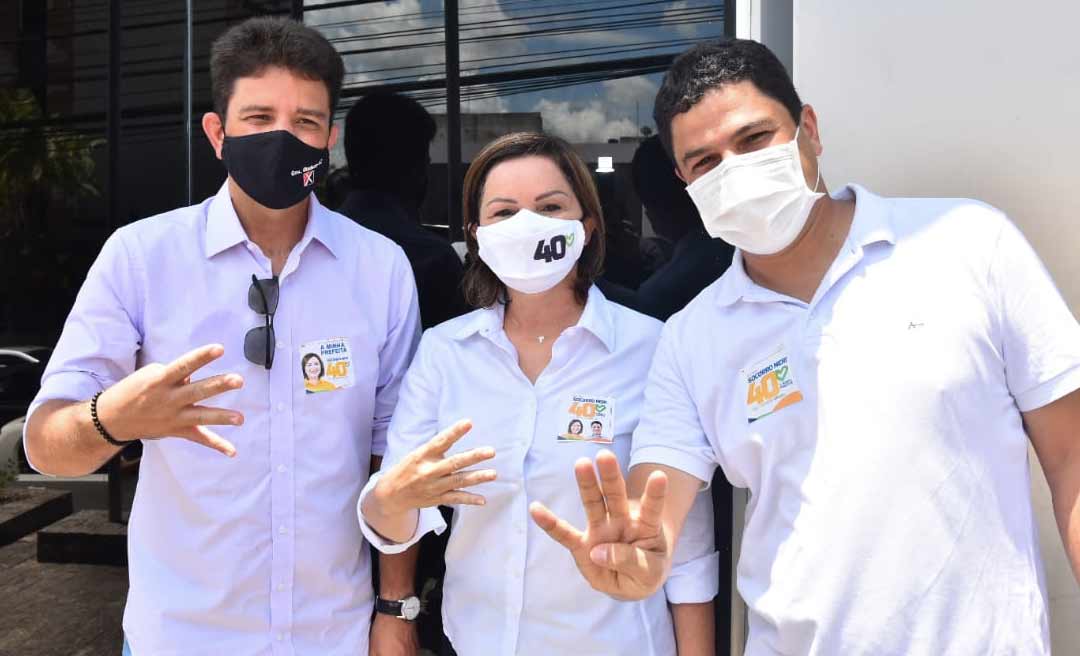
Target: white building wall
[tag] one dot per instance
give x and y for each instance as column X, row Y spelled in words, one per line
column 974, row 98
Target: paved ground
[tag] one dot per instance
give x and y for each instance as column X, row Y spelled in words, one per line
column 58, row 610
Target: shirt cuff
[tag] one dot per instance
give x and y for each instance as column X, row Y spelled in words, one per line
column 378, row 441
column 694, row 582
column 430, row 519
column 1050, row 391
column 73, row 386
column 699, row 467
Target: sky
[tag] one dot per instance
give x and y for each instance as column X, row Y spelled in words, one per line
column 499, row 35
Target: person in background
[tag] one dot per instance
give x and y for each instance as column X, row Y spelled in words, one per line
column 696, row 259
column 544, row 349
column 387, row 137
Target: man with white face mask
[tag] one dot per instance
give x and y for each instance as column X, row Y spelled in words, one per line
column 872, row 370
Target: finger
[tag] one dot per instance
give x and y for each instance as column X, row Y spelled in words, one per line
column 651, row 510
column 612, row 485
column 559, row 529
column 464, row 459
column 192, row 393
column 439, row 444
column 208, row 438
column 456, row 498
column 201, row 415
column 467, row 479
column 192, row 361
column 645, row 567
column 591, row 497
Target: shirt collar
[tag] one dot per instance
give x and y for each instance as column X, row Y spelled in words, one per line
column 871, row 224
column 224, row 230
column 596, row 319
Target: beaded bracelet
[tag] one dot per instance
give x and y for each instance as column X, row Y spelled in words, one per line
column 100, row 428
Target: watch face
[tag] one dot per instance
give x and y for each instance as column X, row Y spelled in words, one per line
column 410, row 608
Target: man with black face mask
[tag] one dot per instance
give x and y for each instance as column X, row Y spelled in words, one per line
column 294, row 320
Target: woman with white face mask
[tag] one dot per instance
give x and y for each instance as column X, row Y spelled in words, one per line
column 545, row 350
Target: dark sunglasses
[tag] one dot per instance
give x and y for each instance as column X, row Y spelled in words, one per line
column 259, row 341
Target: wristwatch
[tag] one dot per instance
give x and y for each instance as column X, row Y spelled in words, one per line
column 407, row 609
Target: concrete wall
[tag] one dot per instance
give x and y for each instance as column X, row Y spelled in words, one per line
column 975, row 98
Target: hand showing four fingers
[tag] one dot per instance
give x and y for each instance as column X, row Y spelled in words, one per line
column 623, row 551
column 427, row 477
column 159, row 401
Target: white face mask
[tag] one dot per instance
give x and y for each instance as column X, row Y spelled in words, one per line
column 529, row 252
column 757, row 202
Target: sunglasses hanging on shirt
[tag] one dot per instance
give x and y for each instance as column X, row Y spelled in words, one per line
column 259, row 341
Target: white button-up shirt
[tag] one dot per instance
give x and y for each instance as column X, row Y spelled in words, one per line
column 251, row 555
column 509, row 588
column 878, row 430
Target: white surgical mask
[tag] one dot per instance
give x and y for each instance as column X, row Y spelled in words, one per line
column 529, row 252
column 757, row 202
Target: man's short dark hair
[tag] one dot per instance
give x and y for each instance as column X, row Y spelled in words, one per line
column 244, row 50
column 597, row 423
column 387, row 136
column 712, row 64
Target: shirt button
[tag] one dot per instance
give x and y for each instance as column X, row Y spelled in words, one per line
column 281, row 469
column 283, row 530
column 281, row 637
column 280, row 587
column 281, row 407
column 281, row 345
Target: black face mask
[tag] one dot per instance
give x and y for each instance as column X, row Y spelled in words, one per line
column 274, row 168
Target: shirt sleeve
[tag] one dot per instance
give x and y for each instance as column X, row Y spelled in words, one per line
column 695, row 571
column 397, row 351
column 1039, row 337
column 102, row 334
column 670, row 431
column 415, row 421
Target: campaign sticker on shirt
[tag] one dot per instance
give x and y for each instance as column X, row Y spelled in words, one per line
column 326, row 365
column 770, row 386
column 589, row 419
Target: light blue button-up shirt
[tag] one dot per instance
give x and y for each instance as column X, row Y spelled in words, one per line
column 259, row 554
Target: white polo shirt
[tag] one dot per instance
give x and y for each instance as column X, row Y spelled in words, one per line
column 878, row 429
column 254, row 554
column 509, row 588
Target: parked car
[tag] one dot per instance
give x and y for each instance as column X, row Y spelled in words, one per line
column 20, row 377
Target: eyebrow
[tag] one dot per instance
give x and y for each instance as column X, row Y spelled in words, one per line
column 552, row 193
column 749, row 127
column 501, row 200
column 267, row 108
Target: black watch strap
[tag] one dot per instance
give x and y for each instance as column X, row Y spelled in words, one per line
column 399, row 608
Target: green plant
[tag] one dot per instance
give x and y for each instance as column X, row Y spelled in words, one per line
column 38, row 160
column 9, row 473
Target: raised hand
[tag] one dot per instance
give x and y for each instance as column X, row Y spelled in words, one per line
column 623, row 551
column 427, row 478
column 159, row 401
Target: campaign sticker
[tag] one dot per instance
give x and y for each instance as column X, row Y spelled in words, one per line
column 589, row 419
column 326, row 365
column 770, row 386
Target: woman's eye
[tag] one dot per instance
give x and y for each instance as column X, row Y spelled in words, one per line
column 503, row 213
column 551, row 209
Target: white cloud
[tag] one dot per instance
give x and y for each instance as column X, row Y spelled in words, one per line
column 586, row 123
column 628, row 90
